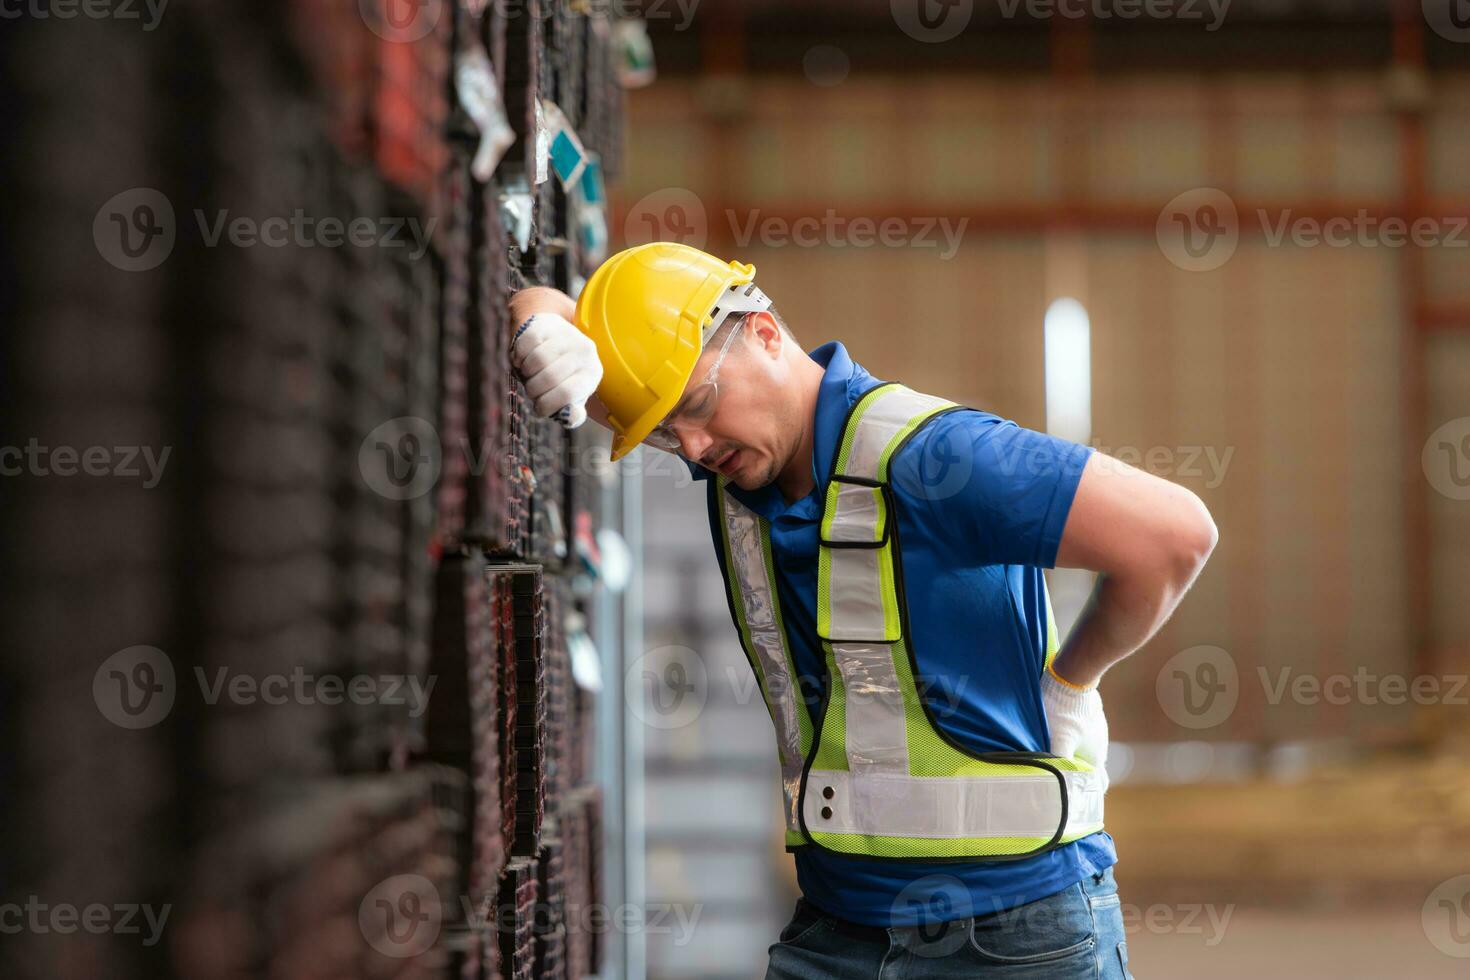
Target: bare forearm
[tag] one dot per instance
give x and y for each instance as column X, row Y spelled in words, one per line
column 1148, row 539
column 1121, row 616
column 539, row 299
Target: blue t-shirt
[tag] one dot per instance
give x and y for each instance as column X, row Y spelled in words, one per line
column 981, row 504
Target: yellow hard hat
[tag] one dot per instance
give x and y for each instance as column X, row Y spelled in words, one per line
column 650, row 309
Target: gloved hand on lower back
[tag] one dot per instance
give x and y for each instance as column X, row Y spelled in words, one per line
column 1079, row 729
column 559, row 365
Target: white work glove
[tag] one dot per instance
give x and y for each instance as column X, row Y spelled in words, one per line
column 559, row 365
column 1079, row 729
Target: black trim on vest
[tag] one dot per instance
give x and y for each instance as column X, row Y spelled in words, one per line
column 859, row 481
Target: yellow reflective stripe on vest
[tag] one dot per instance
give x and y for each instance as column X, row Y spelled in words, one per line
column 753, row 596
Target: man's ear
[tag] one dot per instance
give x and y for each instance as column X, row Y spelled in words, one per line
column 767, row 331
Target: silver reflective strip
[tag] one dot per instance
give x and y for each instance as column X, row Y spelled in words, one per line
column 877, row 732
column 877, row 740
column 758, row 597
column 952, row 807
column 855, row 596
column 854, row 513
column 890, row 410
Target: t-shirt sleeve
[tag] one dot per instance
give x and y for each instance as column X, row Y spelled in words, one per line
column 999, row 493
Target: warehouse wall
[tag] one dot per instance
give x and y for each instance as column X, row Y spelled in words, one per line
column 353, row 512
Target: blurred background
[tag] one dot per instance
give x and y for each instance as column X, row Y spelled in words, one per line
column 325, row 659
column 1181, row 235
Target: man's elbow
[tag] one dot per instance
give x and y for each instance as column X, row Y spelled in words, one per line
column 1192, row 538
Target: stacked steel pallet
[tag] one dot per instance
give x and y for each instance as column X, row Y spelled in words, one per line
column 355, row 497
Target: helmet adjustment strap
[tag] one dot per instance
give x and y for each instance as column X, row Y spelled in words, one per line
column 740, row 298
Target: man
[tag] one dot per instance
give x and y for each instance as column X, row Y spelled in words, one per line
column 942, row 755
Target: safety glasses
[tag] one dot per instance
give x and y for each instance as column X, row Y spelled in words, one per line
column 697, row 407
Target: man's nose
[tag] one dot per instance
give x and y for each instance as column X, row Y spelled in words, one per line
column 695, row 442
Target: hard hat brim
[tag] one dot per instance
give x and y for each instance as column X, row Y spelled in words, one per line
column 621, row 447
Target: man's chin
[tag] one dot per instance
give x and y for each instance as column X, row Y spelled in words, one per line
column 746, row 480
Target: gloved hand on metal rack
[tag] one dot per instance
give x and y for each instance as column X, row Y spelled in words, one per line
column 1074, row 715
column 559, row 365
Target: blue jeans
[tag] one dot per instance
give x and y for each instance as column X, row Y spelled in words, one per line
column 1076, row 934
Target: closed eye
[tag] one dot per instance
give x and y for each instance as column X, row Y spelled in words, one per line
column 699, row 404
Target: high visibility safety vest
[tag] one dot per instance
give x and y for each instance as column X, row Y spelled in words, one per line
column 872, row 774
